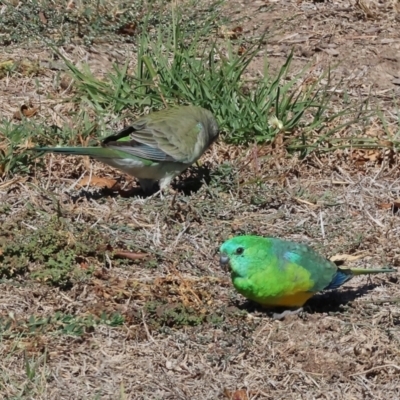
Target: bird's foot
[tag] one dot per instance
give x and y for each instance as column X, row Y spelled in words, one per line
column 163, row 193
column 285, row 313
column 156, row 194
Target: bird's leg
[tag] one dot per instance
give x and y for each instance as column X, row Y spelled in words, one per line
column 285, row 313
column 147, row 186
column 165, row 185
column 158, row 193
column 161, row 192
column 173, row 199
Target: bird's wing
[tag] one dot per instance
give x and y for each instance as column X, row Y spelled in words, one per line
column 172, row 135
column 125, row 140
column 321, row 270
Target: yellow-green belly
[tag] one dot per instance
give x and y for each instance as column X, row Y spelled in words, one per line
column 294, row 300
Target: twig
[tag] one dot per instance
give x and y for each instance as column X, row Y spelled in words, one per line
column 375, row 368
column 379, row 223
column 147, row 329
column 322, row 224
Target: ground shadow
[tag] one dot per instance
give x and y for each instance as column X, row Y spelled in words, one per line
column 191, row 182
column 333, row 301
column 97, row 194
column 329, row 301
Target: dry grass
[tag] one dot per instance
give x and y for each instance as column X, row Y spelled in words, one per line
column 346, row 346
column 183, row 332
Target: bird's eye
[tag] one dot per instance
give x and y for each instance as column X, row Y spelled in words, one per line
column 239, row 250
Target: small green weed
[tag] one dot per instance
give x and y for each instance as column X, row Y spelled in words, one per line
column 14, row 140
column 173, row 315
column 59, row 323
column 161, row 315
column 52, row 252
column 391, row 127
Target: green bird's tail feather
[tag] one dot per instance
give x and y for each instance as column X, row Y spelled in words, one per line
column 345, row 274
column 96, row 152
column 363, row 271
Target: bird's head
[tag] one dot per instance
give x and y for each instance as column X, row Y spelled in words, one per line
column 211, row 125
column 214, row 129
column 240, row 253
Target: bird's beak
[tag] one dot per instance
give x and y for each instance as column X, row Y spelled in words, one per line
column 224, row 261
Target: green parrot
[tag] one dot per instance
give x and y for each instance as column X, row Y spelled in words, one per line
column 278, row 273
column 156, row 147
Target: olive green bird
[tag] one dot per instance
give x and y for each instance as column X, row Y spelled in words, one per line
column 156, row 147
column 278, row 273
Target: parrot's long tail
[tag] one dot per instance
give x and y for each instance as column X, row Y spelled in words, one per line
column 345, row 274
column 96, row 152
column 363, row 271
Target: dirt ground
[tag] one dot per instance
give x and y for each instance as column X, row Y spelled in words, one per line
column 186, row 334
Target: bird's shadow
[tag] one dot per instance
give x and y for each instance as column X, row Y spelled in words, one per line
column 98, row 194
column 331, row 301
column 191, row 182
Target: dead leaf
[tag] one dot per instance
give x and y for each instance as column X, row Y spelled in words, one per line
column 128, row 29
column 373, row 155
column 240, row 394
column 26, row 111
column 42, row 17
column 98, row 182
column 66, row 82
column 346, row 257
column 241, row 50
column 238, row 30
column 395, row 205
column 84, row 265
column 360, row 157
column 233, row 34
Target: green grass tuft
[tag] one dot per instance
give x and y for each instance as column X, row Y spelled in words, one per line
column 182, row 62
column 171, row 69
